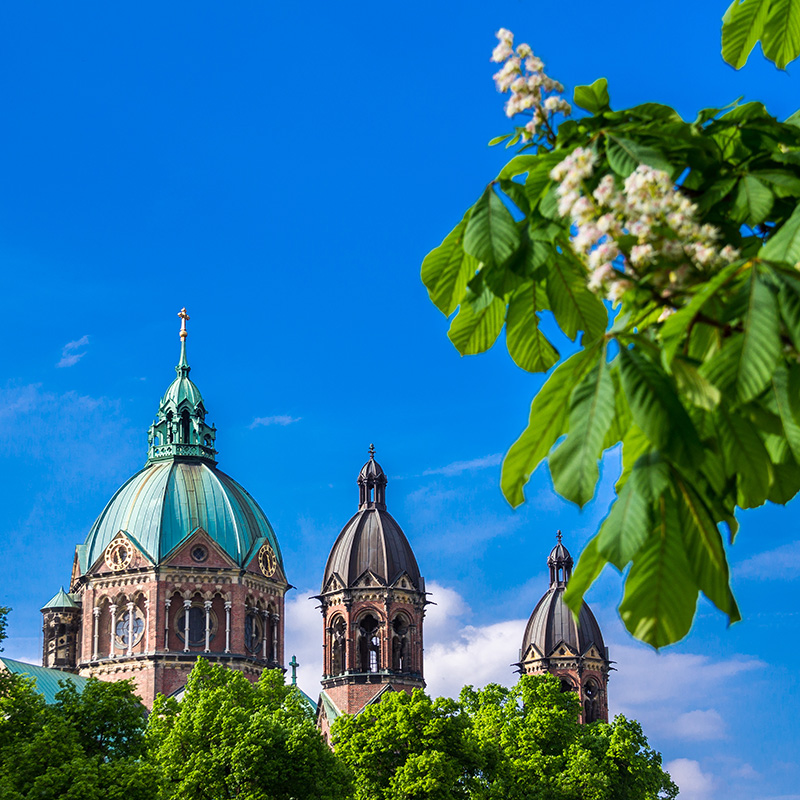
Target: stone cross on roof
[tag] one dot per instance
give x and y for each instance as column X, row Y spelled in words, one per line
column 294, row 665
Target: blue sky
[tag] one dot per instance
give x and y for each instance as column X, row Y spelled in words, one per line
column 281, row 170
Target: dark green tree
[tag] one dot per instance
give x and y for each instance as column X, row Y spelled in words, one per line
column 230, row 738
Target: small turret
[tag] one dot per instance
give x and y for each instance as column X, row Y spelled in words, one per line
column 61, row 624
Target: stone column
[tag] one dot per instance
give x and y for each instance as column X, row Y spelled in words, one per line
column 228, row 626
column 113, row 609
column 275, row 619
column 265, row 616
column 131, row 620
column 207, row 606
column 187, row 604
column 167, row 604
column 146, row 647
column 96, row 637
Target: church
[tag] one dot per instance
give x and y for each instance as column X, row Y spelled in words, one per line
column 182, row 564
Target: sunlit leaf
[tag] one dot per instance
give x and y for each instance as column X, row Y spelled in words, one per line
column 491, row 235
column 527, row 345
column 473, row 332
column 742, row 27
column 446, row 270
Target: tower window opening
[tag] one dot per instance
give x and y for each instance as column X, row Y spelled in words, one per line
column 197, row 625
column 400, row 645
column 185, row 427
column 372, row 494
column 170, row 436
column 338, row 646
column 369, row 644
column 252, row 631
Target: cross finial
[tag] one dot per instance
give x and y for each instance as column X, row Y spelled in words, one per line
column 558, row 536
column 372, row 451
column 294, row 665
column 184, row 316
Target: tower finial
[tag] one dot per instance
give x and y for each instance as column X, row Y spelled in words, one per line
column 558, row 536
column 294, row 664
column 183, row 365
column 372, row 452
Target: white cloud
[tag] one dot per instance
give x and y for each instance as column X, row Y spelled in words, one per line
column 277, row 419
column 69, row 354
column 303, row 631
column 693, row 782
column 782, row 563
column 700, row 725
column 457, row 467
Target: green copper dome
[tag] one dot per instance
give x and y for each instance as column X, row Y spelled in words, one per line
column 180, row 488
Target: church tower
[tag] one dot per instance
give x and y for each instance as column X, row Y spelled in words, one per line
column 181, row 563
column 373, row 604
column 572, row 649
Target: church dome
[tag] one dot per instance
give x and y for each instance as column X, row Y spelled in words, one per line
column 180, row 488
column 164, row 503
column 372, row 540
column 552, row 621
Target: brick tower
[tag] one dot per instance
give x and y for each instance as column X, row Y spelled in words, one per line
column 373, row 604
column 181, row 563
column 571, row 649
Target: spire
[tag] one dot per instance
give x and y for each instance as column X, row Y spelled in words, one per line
column 560, row 563
column 180, row 428
column 183, row 369
column 372, row 484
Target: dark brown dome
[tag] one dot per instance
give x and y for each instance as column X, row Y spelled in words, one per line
column 371, row 540
column 552, row 622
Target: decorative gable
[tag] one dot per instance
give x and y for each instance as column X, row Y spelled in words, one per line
column 199, row 550
column 122, row 554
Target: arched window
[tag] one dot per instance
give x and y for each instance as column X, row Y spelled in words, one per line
column 253, row 631
column 186, row 426
column 400, row 644
column 338, row 646
column 170, row 436
column 369, row 645
column 591, row 705
column 197, row 625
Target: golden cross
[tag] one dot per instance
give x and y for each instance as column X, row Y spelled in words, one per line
column 184, row 316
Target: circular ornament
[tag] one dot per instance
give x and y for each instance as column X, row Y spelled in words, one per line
column 199, row 553
column 118, row 556
column 267, row 560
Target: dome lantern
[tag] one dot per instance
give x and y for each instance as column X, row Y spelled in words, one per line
column 372, row 484
column 180, row 428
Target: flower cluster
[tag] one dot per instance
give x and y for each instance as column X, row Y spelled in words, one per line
column 669, row 244
column 522, row 74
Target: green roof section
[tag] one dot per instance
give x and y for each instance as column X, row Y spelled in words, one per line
column 46, row 679
column 60, row 600
column 167, row 501
column 329, row 707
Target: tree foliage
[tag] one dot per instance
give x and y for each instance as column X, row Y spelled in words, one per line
column 230, row 738
column 668, row 250
column 523, row 743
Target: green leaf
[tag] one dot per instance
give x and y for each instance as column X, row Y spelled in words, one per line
column 548, row 420
column 745, row 457
column 660, row 593
column 783, row 401
column 634, row 446
column 761, row 346
column 696, row 387
column 742, row 26
column 753, row 201
column 789, row 303
column 625, row 155
column 474, row 331
column 491, row 235
column 784, row 245
column 781, row 38
column 705, row 550
column 574, row 463
column 446, row 270
column 499, row 139
column 590, row 565
column 786, row 184
column 593, row 98
column 574, row 306
column 622, row 414
column 626, row 527
column 656, row 408
column 527, row 345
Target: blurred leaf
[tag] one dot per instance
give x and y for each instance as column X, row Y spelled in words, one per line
column 761, row 345
column 594, row 98
column 791, row 428
column 574, row 463
column 660, row 592
column 491, row 235
column 745, row 456
column 473, row 332
column 548, row 420
column 590, row 565
column 446, row 270
column 527, row 345
column 696, row 387
column 625, row 155
column 785, row 244
column 753, row 201
column 574, row 306
column 742, row 26
column 780, row 40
